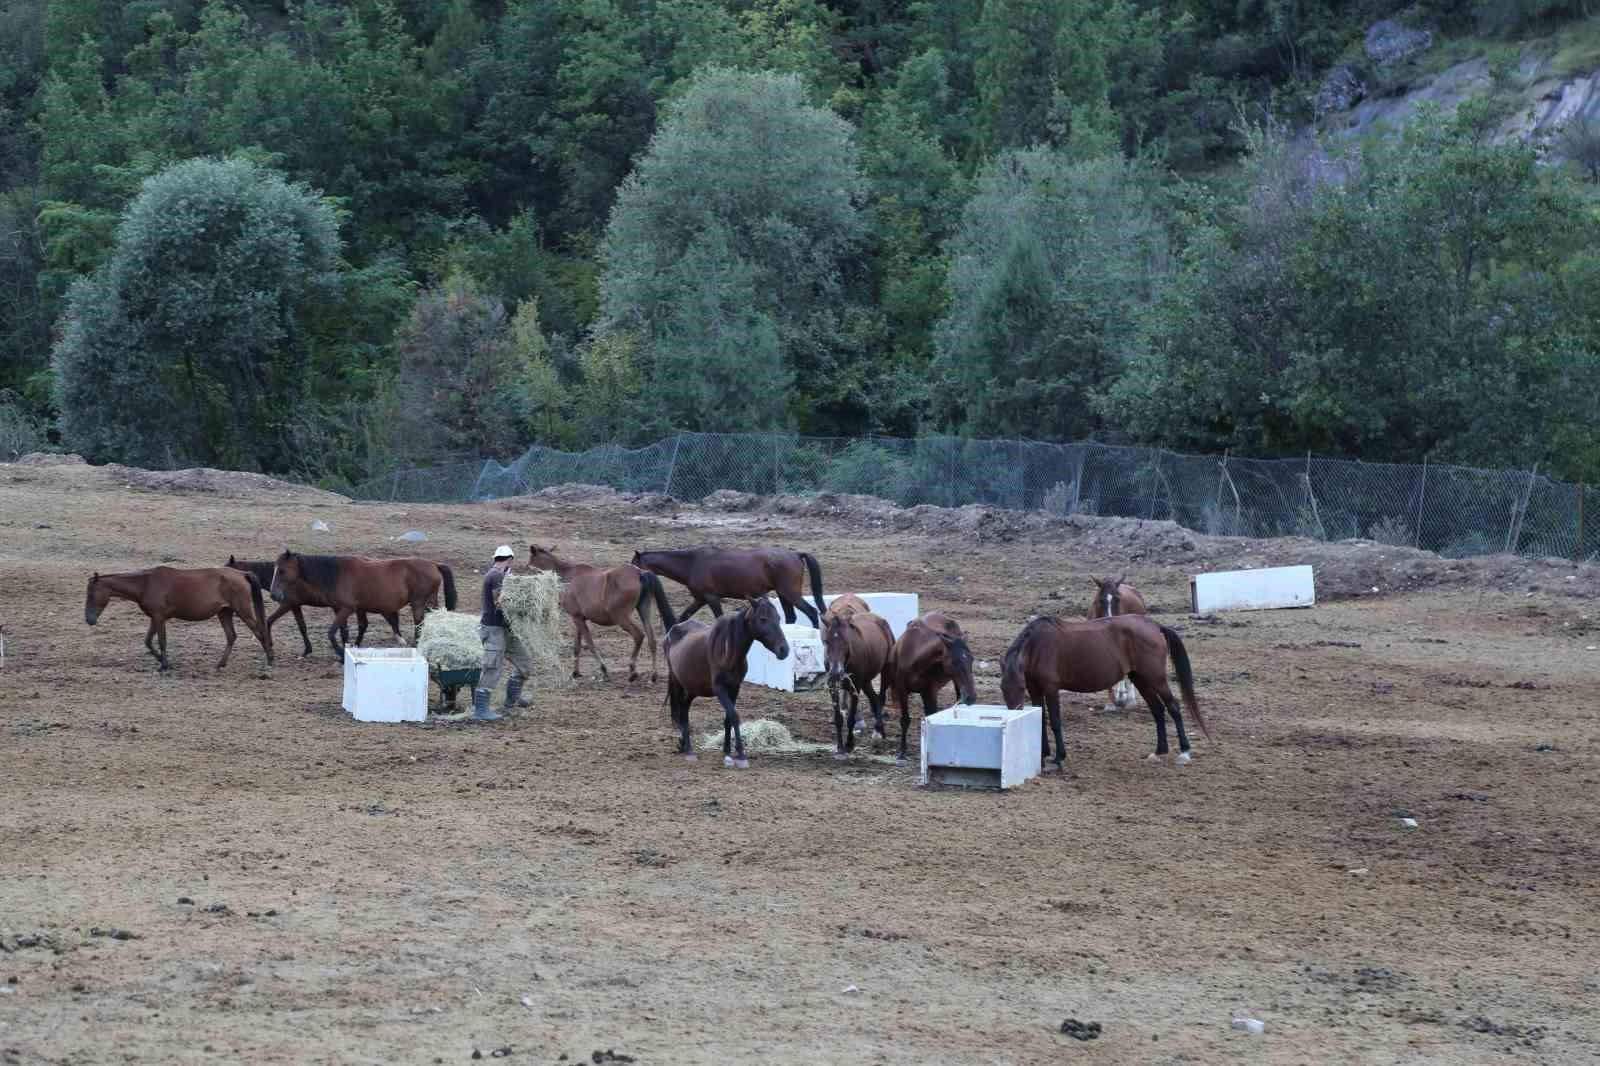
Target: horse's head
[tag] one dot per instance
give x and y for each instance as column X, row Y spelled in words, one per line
column 95, row 599
column 765, row 624
column 285, row 571
column 542, row 558
column 1013, row 685
column 1107, row 597
column 836, row 645
column 957, row 660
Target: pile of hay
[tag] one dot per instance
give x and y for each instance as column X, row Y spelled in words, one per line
column 450, row 641
column 764, row 735
column 532, row 606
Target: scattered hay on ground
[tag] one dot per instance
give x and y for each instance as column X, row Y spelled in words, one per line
column 765, row 736
column 532, row 606
column 450, row 641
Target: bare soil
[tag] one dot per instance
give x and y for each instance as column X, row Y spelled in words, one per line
column 224, row 867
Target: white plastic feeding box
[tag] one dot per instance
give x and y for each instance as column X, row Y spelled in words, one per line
column 981, row 746
column 386, row 684
column 797, row 673
column 1252, row 590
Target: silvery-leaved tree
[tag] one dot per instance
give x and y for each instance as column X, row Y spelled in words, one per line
column 193, row 341
column 726, row 252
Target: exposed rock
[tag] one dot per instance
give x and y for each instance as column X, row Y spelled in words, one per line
column 1340, row 91
column 1390, row 42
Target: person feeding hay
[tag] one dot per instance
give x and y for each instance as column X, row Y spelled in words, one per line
column 499, row 644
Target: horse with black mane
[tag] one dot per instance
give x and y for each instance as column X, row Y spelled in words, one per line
column 932, row 652
column 350, row 583
column 710, row 573
column 607, row 597
column 1050, row 655
column 711, row 660
column 262, row 571
column 1112, row 598
column 163, row 593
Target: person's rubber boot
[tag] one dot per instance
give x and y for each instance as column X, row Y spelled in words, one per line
column 515, row 700
column 480, row 706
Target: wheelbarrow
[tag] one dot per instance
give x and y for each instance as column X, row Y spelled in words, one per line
column 451, row 682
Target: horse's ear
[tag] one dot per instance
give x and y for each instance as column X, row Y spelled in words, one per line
column 1096, row 582
column 230, row 560
column 1123, row 578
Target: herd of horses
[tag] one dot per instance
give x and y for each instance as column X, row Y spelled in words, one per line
column 1119, row 641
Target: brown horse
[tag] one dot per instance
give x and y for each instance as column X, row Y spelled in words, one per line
column 855, row 647
column 262, row 571
column 1112, row 598
column 1050, row 655
column 607, row 598
column 845, row 604
column 187, row 595
column 931, row 653
column 710, row 660
column 349, row 583
column 711, row 573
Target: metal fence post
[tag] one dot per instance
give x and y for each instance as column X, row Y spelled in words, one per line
column 1514, row 533
column 672, row 465
column 1577, row 550
column 1422, row 493
column 394, row 490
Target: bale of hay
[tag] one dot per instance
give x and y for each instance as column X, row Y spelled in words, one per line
column 532, row 606
column 766, row 736
column 450, row 641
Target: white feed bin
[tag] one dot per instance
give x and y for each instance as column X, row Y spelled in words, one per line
column 797, row 673
column 386, row 684
column 981, row 746
column 1252, row 590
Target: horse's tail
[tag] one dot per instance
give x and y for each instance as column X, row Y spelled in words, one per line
column 816, row 581
column 449, row 577
column 650, row 586
column 1180, row 659
column 262, row 629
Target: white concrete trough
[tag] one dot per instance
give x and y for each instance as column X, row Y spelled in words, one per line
column 386, row 684
column 1252, row 590
column 981, row 746
column 803, row 670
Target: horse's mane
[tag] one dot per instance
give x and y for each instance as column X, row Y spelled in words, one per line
column 321, row 572
column 1025, row 639
column 725, row 633
column 261, row 569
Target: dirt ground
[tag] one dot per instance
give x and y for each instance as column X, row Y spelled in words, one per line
column 296, row 887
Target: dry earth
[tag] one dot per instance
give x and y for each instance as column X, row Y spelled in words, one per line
column 297, row 887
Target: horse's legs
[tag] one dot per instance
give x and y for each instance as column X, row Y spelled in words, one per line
column 788, row 611
column 1164, row 690
column 633, row 630
column 341, row 617
column 418, row 609
column 650, row 635
column 1158, row 709
column 850, row 726
column 149, row 643
column 361, row 629
column 695, row 603
column 680, row 715
column 577, row 647
column 1052, row 700
column 161, row 637
column 732, row 739
column 902, row 698
column 1037, row 700
column 585, row 634
column 714, row 602
column 806, row 609
column 876, row 700
column 225, row 616
column 838, row 719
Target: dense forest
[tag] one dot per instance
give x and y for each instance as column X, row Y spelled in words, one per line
column 323, row 239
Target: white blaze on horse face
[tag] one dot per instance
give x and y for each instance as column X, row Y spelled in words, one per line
column 1109, row 612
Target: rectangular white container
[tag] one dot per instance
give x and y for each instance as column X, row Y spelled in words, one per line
column 1252, row 590
column 981, row 746
column 386, row 684
column 796, row 673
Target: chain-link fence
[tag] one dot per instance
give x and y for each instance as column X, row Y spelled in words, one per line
column 1453, row 510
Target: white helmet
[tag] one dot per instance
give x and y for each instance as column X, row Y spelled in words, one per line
column 504, row 552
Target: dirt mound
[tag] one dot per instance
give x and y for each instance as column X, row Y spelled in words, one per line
column 50, row 459
column 591, row 496
column 42, row 467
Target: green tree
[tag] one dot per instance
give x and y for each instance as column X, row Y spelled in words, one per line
column 746, row 170
column 1050, row 271
column 192, row 341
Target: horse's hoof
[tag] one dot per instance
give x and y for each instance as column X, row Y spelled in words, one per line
column 691, row 757
column 1184, row 758
column 841, row 756
column 899, row 760
column 727, row 760
column 1154, row 757
column 741, row 764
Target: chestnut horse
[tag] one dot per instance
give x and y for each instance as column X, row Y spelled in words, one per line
column 262, row 572
column 855, row 647
column 931, row 653
column 844, row 604
column 1112, row 598
column 607, row 598
column 1050, row 655
column 349, row 583
column 711, row 573
column 710, row 660
column 187, row 595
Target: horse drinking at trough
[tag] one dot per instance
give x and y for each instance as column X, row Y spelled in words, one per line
column 710, row 660
column 262, row 571
column 1112, row 598
column 931, row 653
column 350, row 583
column 1050, row 655
column 710, row 573
column 607, row 598
column 187, row 595
column 855, row 647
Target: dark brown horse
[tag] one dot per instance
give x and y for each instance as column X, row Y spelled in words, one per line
column 855, row 647
column 1050, row 655
column 1112, row 598
column 349, row 583
column 187, row 595
column 607, row 598
column 262, row 571
column 931, row 653
column 710, row 573
column 710, row 660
